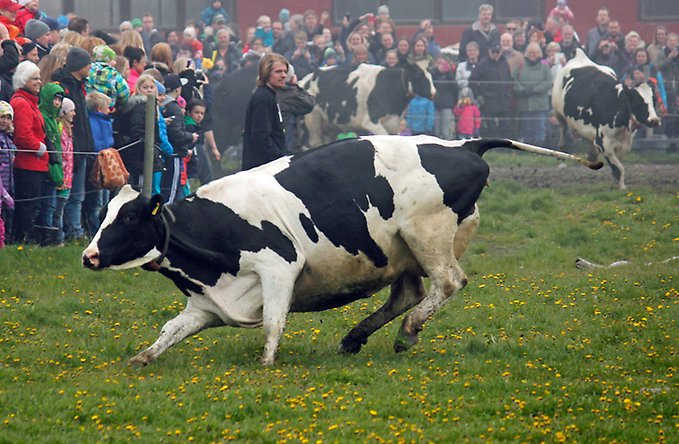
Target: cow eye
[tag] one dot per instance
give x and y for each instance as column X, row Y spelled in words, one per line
column 130, row 219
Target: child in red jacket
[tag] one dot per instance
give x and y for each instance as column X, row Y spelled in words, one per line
column 468, row 115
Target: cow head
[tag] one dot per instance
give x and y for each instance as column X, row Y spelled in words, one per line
column 419, row 81
column 129, row 233
column 642, row 104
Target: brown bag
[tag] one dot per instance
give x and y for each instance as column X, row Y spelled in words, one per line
column 108, row 171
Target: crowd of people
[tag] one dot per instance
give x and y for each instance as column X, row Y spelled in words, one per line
column 68, row 92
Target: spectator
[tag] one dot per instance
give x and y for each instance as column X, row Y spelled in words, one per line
column 99, row 113
column 129, row 38
column 569, row 43
column 668, row 64
column 312, row 24
column 427, row 31
column 51, row 97
column 31, row 161
column 607, row 55
column 520, row 42
column 514, row 57
column 48, row 65
column 659, row 40
column 149, row 34
column 181, row 140
column 360, row 54
column 38, row 32
column 482, row 31
column 129, row 130
column 264, row 31
column 195, row 114
column 599, row 32
column 532, row 87
column 283, row 18
column 283, row 41
column 29, row 11
column 106, row 79
column 554, row 59
column 491, row 84
column 196, row 45
column 263, row 136
column 443, row 75
column 465, row 69
column 224, row 57
column 294, row 103
column 8, row 14
column 420, row 54
column 72, row 78
column 468, row 115
column 79, row 25
column 562, row 12
column 329, row 58
column 161, row 58
column 387, row 43
column 403, row 51
column 614, row 35
column 66, row 116
column 137, row 61
column 7, row 153
column 29, row 52
column 214, row 9
column 420, row 115
column 8, row 63
column 632, row 42
column 301, row 58
column 391, row 59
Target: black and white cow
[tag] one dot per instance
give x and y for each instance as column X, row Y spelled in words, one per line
column 365, row 99
column 310, row 232
column 590, row 100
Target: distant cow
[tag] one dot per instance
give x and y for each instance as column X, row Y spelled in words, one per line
column 590, row 100
column 229, row 103
column 364, row 99
column 310, row 232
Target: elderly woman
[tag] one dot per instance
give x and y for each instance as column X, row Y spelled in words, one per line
column 532, row 86
column 464, row 69
column 31, row 162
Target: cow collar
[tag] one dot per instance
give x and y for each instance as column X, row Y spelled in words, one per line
column 165, row 214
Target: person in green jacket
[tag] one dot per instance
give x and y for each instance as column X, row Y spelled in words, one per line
column 51, row 98
column 532, row 84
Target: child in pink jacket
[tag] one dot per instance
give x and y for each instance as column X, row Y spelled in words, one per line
column 468, row 115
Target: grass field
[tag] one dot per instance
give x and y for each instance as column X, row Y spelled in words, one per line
column 531, row 350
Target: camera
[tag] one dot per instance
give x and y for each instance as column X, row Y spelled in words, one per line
column 200, row 77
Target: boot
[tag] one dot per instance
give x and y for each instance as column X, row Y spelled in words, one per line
column 48, row 236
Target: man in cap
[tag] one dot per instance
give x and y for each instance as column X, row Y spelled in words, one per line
column 491, row 83
column 38, row 32
column 72, row 78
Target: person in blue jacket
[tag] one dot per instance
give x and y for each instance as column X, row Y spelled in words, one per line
column 420, row 115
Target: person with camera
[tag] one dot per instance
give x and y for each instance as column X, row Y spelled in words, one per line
column 300, row 57
column 607, row 54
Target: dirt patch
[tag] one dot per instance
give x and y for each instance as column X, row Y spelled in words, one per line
column 665, row 177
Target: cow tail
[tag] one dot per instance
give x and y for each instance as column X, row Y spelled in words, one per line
column 480, row 146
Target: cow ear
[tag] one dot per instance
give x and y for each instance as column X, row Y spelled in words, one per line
column 156, row 205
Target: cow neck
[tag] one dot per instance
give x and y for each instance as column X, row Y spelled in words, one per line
column 165, row 214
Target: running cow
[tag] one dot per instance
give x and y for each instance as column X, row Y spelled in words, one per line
column 310, row 232
column 589, row 99
column 364, row 99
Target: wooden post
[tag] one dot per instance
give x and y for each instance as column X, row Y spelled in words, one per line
column 148, row 144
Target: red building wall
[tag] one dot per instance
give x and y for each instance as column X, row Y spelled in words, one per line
column 585, row 11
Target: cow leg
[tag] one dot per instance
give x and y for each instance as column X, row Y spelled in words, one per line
column 465, row 232
column 617, row 169
column 277, row 295
column 188, row 322
column 436, row 255
column 406, row 292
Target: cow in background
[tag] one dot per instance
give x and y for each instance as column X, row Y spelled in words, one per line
column 589, row 99
column 365, row 99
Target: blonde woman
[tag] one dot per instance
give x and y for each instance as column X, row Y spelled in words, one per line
column 161, row 58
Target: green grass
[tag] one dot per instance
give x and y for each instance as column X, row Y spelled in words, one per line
column 531, row 350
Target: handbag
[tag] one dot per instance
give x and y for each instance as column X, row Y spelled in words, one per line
column 109, row 170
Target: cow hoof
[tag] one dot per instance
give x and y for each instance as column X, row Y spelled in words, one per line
column 141, row 360
column 350, row 346
column 404, row 342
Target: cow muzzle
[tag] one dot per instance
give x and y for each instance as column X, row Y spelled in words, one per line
column 91, row 260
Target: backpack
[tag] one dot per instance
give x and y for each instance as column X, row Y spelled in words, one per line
column 108, row 171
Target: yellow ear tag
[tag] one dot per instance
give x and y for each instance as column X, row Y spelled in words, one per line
column 155, row 210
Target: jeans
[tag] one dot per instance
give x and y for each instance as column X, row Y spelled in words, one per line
column 444, row 123
column 48, row 203
column 73, row 228
column 90, row 211
column 533, row 127
column 58, row 218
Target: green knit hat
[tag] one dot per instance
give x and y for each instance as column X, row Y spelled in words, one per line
column 103, row 53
